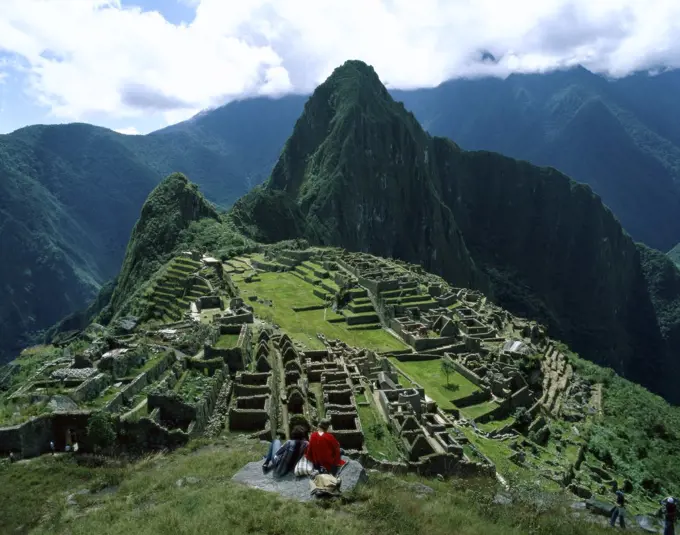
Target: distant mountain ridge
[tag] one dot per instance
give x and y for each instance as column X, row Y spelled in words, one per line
column 622, row 137
column 70, row 195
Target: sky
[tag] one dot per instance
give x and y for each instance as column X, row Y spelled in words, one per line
column 138, row 65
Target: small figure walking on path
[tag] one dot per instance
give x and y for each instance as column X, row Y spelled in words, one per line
column 52, row 446
column 670, row 510
column 620, row 510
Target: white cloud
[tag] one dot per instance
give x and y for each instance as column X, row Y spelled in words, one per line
column 89, row 57
column 129, row 131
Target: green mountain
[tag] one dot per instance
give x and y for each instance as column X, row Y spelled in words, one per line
column 358, row 172
column 70, row 195
column 353, row 158
column 621, row 137
column 169, row 210
column 68, row 198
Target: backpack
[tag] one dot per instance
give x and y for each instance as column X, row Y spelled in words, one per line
column 671, row 511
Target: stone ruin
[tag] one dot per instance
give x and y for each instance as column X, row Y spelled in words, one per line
column 266, row 383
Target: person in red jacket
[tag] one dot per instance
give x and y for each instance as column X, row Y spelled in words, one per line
column 323, row 450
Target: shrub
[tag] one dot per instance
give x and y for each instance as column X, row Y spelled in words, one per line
column 101, row 430
column 377, row 430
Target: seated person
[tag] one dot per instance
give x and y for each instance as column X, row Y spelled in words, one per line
column 284, row 458
column 324, row 450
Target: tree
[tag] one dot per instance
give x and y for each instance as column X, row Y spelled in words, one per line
column 447, row 369
column 101, row 430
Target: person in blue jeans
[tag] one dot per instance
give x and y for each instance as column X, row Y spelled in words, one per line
column 620, row 510
column 283, row 458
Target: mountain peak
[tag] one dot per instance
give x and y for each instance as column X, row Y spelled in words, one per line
column 169, row 209
column 352, row 75
column 349, row 106
column 355, row 159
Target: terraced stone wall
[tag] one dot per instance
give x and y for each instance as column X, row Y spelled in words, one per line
column 32, row 438
column 91, row 388
column 204, row 408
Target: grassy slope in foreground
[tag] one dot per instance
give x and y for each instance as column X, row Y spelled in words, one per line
column 145, row 498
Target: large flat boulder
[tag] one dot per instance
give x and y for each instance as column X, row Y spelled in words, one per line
column 649, row 524
column 289, row 486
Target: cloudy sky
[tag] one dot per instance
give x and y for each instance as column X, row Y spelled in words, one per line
column 138, row 65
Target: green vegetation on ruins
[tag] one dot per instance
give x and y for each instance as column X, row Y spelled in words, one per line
column 429, row 374
column 493, row 353
column 278, row 293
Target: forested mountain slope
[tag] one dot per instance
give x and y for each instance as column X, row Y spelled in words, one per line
column 70, row 195
column 621, row 136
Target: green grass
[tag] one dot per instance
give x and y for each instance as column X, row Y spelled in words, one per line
column 318, row 394
column 13, row 414
column 150, row 363
column 227, row 341
column 29, row 362
column 193, row 385
column 429, row 375
column 146, row 500
column 499, row 452
column 493, row 425
column 101, row 401
column 475, row 411
column 380, row 447
column 285, row 291
column 405, row 382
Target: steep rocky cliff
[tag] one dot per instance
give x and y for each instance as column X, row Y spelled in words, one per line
column 663, row 283
column 359, row 172
column 620, row 137
column 555, row 252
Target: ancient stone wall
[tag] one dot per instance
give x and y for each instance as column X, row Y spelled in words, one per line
column 211, row 365
column 475, row 398
column 423, row 344
column 147, row 435
column 204, row 408
column 468, row 374
column 10, row 439
column 120, row 362
column 417, row 357
column 245, row 317
column 33, row 437
column 251, row 408
column 208, row 302
column 172, row 408
column 237, row 357
column 91, row 388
